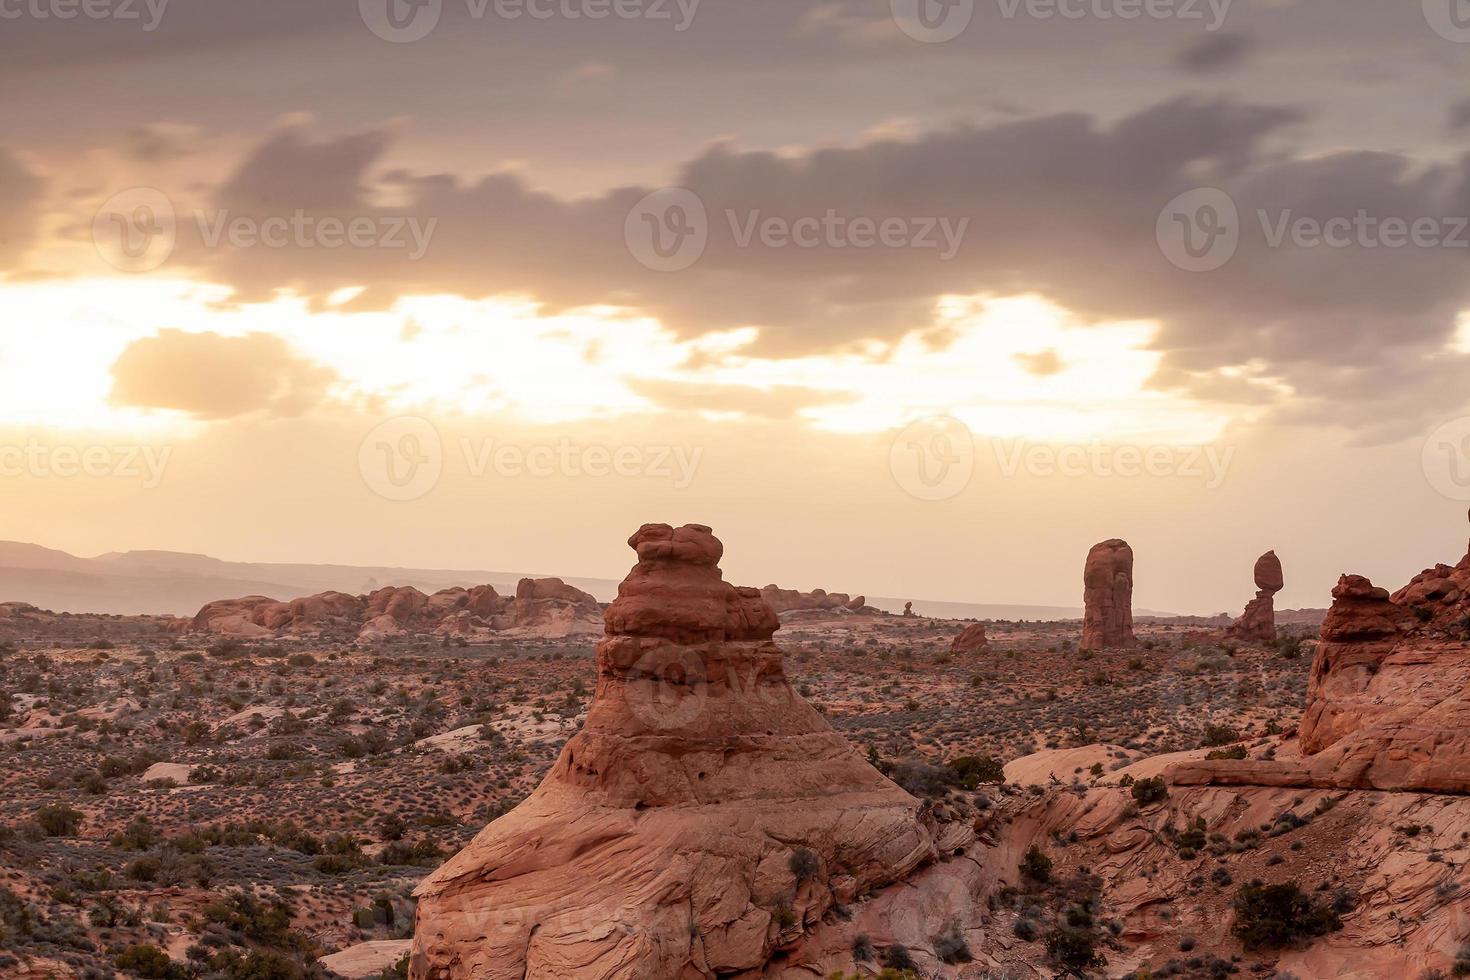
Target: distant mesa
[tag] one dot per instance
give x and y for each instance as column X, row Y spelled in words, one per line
column 1107, row 597
column 1258, row 623
column 545, row 607
column 971, row 640
column 706, row 821
column 1388, row 699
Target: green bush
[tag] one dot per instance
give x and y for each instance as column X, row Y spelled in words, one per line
column 59, row 820
column 1275, row 916
column 1149, row 791
column 1036, row 865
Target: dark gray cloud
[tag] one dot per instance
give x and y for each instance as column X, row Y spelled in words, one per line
column 1459, row 117
column 20, row 209
column 1060, row 205
column 1216, row 52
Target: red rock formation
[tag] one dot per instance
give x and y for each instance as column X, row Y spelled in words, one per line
column 1388, row 702
column 552, row 607
column 1107, row 597
column 1258, row 623
column 790, row 600
column 972, row 639
column 545, row 607
column 662, row 843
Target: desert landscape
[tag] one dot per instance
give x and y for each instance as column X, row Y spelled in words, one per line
column 736, row 783
column 734, row 490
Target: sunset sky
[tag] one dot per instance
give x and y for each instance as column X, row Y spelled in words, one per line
column 299, row 292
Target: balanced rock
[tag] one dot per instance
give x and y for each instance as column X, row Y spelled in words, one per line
column 1107, row 597
column 972, row 639
column 1258, row 623
column 700, row 825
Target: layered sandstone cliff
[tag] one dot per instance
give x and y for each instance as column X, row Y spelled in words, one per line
column 1388, row 702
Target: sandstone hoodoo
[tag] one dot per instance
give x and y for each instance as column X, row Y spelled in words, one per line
column 1388, row 700
column 701, row 824
column 1258, row 623
column 1107, row 597
column 971, row 640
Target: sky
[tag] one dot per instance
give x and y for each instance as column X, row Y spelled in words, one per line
column 908, row 298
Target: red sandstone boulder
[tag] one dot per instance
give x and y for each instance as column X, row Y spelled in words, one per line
column 972, row 639
column 553, row 608
column 1107, row 597
column 240, row 617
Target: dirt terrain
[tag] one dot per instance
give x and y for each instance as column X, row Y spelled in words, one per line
column 260, row 804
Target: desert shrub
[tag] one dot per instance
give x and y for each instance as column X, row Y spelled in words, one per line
column 952, row 948
column 1274, row 916
column 1149, row 791
column 970, row 771
column 804, row 864
column 1036, row 865
column 862, row 949
column 1073, row 950
column 150, row 963
column 1218, row 735
column 1234, row 752
column 898, row 957
column 59, row 820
